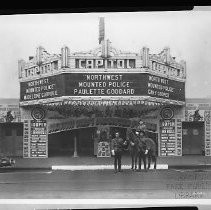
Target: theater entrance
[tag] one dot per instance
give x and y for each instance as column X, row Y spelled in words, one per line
column 63, row 143
column 85, row 141
column 193, row 138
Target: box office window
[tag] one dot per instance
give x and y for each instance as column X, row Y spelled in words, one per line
column 185, row 131
column 8, row 131
column 195, row 132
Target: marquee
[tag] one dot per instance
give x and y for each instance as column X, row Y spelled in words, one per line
column 110, row 86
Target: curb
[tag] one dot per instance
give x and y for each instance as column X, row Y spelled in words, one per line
column 205, row 167
column 98, row 167
column 101, row 167
column 11, row 169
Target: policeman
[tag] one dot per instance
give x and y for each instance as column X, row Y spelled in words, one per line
column 142, row 149
column 117, row 145
column 134, row 148
column 150, row 151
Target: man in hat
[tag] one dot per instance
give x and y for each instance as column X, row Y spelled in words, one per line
column 133, row 147
column 142, row 148
column 151, row 154
column 117, row 145
column 149, row 150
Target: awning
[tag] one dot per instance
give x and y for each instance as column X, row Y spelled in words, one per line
column 103, row 101
column 77, row 123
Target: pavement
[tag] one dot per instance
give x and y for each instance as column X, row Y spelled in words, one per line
column 105, row 184
column 94, row 163
column 86, row 178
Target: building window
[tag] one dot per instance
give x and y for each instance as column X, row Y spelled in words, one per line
column 178, row 72
column 42, row 70
column 48, row 68
column 77, row 63
column 56, row 65
column 8, row 131
column 154, row 66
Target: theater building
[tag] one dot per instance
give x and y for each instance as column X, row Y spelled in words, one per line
column 73, row 102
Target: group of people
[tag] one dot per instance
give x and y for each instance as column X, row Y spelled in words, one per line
column 141, row 148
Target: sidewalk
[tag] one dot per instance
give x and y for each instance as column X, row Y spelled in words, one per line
column 59, row 162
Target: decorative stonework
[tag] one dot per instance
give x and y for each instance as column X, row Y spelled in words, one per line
column 102, row 57
column 207, row 133
column 179, row 137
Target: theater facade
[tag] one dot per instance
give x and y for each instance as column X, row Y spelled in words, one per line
column 72, row 103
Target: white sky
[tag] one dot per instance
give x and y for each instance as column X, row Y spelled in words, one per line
column 188, row 34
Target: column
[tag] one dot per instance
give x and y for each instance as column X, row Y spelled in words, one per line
column 167, row 54
column 65, row 52
column 75, row 146
column 96, row 140
column 21, row 64
column 145, row 56
column 183, row 63
column 39, row 54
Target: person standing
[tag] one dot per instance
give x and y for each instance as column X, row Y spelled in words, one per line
column 150, row 151
column 117, row 145
column 133, row 149
column 142, row 149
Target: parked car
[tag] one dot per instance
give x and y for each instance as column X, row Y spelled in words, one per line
column 7, row 162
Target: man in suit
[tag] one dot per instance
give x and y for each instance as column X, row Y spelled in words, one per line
column 117, row 145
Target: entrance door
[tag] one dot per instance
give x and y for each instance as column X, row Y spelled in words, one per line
column 192, row 138
column 61, row 144
column 86, row 141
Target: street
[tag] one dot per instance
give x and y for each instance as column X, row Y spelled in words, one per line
column 105, row 184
